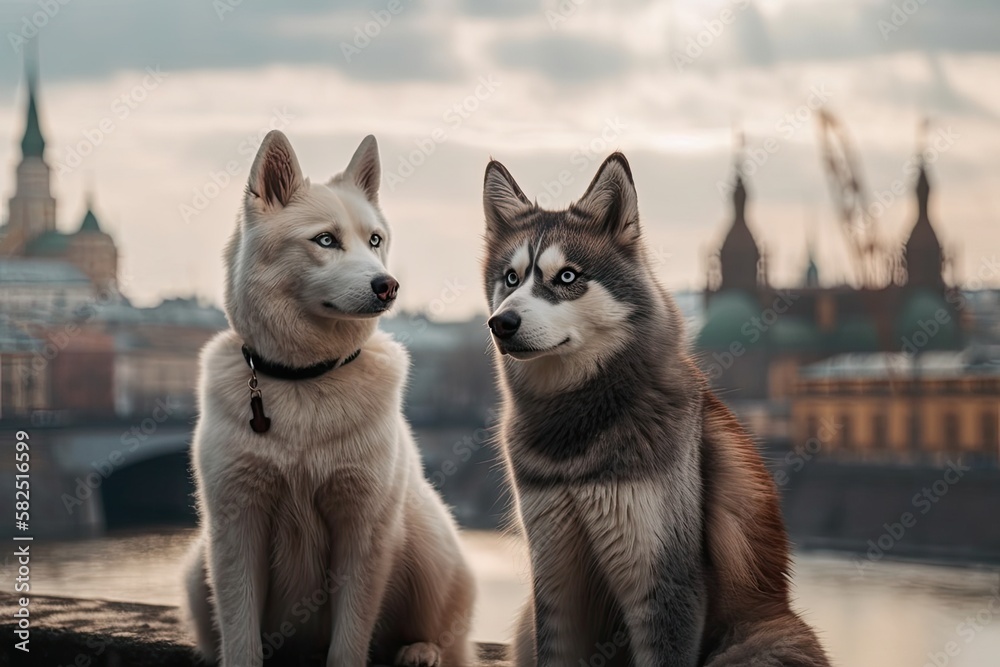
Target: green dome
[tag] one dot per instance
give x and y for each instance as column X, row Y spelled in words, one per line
column 48, row 243
column 727, row 313
column 793, row 333
column 926, row 323
column 855, row 335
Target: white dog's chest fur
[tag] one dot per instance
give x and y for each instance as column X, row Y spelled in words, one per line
column 344, row 426
column 348, row 417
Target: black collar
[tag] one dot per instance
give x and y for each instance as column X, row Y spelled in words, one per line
column 283, row 372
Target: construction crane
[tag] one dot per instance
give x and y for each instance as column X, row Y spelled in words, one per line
column 874, row 265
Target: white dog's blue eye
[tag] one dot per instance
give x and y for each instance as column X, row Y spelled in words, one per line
column 567, row 276
column 375, row 240
column 511, row 278
column 325, row 240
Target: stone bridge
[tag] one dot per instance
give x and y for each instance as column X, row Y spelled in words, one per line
column 86, row 477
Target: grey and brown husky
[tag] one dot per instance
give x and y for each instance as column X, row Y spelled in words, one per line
column 654, row 531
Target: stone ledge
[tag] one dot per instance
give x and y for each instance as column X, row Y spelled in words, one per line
column 70, row 632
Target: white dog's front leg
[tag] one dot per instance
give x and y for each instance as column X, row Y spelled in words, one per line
column 361, row 560
column 238, row 575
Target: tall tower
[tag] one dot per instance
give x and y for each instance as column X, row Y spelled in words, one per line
column 923, row 253
column 739, row 255
column 93, row 251
column 32, row 208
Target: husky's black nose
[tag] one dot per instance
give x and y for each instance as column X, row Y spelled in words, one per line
column 385, row 287
column 505, row 324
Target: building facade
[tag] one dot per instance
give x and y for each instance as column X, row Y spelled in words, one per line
column 756, row 336
column 930, row 407
column 30, row 231
column 72, row 346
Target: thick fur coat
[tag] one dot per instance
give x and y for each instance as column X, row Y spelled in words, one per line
column 320, row 536
column 654, row 531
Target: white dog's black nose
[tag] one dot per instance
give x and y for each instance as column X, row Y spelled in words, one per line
column 385, row 287
column 505, row 324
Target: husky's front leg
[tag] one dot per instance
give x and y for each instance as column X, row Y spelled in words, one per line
column 361, row 558
column 665, row 621
column 558, row 610
column 238, row 572
column 654, row 573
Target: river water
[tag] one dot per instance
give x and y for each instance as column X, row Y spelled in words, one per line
column 885, row 614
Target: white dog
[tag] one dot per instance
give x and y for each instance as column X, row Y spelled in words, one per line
column 319, row 533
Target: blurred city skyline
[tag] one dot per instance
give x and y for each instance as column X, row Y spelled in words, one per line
column 547, row 88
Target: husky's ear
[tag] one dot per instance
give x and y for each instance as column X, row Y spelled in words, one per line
column 502, row 198
column 275, row 174
column 365, row 168
column 610, row 202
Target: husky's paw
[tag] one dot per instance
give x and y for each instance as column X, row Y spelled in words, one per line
column 421, row 654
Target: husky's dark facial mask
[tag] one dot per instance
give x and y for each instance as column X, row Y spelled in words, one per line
column 573, row 284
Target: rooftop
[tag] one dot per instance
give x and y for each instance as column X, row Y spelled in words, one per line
column 982, row 361
column 40, row 272
column 181, row 311
column 15, row 339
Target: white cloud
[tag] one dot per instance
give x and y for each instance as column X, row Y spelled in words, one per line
column 678, row 136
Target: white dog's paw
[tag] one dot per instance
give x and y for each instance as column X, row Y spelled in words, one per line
column 421, row 654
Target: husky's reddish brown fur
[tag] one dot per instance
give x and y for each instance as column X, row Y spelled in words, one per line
column 750, row 619
column 644, row 503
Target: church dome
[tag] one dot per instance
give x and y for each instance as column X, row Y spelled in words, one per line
column 793, row 333
column 727, row 313
column 47, row 244
column 855, row 335
column 925, row 316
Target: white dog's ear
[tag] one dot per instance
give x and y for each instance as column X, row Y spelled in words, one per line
column 365, row 168
column 275, row 175
column 503, row 200
column 611, row 203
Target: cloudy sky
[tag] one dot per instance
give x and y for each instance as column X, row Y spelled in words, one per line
column 171, row 93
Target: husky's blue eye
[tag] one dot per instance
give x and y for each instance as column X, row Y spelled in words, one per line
column 375, row 240
column 567, row 276
column 511, row 278
column 325, row 240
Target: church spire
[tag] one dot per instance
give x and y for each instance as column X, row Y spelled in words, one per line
column 32, row 209
column 923, row 254
column 812, row 269
column 739, row 200
column 739, row 256
column 33, row 143
column 923, row 188
column 923, row 193
column 90, row 223
column 739, row 190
